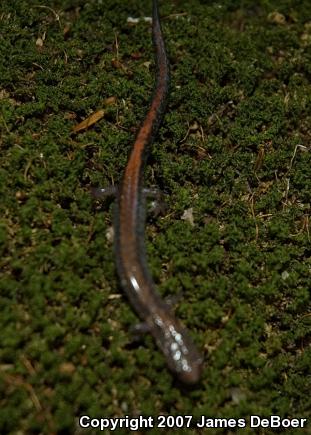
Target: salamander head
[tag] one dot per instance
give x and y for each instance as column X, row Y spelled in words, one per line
column 184, row 358
column 180, row 352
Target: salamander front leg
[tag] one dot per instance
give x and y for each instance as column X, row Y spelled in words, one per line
column 139, row 330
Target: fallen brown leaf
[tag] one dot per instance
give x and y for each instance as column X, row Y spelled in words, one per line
column 110, row 100
column 90, row 120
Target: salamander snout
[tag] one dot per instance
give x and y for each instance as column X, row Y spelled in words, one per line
column 193, row 374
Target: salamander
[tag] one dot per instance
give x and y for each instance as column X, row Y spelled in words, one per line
column 181, row 354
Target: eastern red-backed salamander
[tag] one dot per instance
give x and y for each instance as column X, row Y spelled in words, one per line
column 171, row 337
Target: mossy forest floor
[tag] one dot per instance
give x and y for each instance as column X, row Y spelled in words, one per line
column 234, row 147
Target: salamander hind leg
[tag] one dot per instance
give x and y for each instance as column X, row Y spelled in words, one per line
column 103, row 192
column 158, row 205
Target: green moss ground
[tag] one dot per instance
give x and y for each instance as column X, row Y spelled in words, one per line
column 234, row 147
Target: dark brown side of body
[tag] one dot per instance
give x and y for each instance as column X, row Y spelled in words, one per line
column 130, row 219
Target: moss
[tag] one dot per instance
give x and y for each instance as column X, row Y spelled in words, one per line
column 234, row 147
